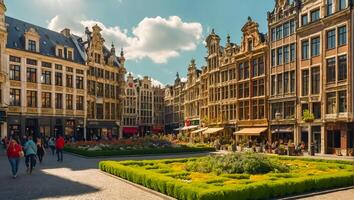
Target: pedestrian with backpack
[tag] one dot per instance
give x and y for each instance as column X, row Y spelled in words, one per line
column 30, row 152
column 14, row 153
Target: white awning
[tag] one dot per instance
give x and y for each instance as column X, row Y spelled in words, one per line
column 188, row 128
column 213, row 130
column 251, row 131
column 178, row 129
column 199, row 130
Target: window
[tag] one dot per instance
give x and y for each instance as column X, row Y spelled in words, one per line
column 315, row 46
column 99, row 89
column 273, row 84
column 331, row 103
column 342, row 68
column 99, row 111
column 254, row 67
column 273, row 58
column 31, row 75
column 342, row 100
column 342, row 4
column 329, row 7
column 240, row 71
column 60, row 53
column 331, row 70
column 32, row 45
column 250, row 45
column 261, row 87
column 246, row 90
column 292, row 26
column 58, row 79
column 46, row 77
column 304, row 20
column 286, row 54
column 273, row 34
column 316, row 110
column 79, row 103
column 70, row 55
column 58, row 101
column 331, row 39
column 79, row 71
column 31, row 61
column 315, row 80
column 47, row 64
column 79, row 82
column 292, row 52
column 315, row 15
column 69, row 80
column 260, row 66
column 15, row 97
column 15, row 59
column 280, row 83
column 69, row 101
column 292, row 81
column 97, row 58
column 305, row 82
column 69, row 69
column 342, row 35
column 255, row 88
column 15, row 72
column 280, row 56
column 279, row 32
column 247, row 70
column 46, row 100
column 58, row 67
column 304, row 107
column 289, row 110
column 31, row 99
column 286, row 82
column 286, row 31
column 305, row 49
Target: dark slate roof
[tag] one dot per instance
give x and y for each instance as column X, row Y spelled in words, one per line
column 48, row 39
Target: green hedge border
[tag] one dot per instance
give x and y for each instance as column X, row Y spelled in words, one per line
column 272, row 189
column 146, row 151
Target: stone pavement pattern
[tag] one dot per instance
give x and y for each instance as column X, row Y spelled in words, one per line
column 78, row 178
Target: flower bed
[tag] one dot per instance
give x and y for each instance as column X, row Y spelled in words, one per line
column 140, row 146
column 184, row 179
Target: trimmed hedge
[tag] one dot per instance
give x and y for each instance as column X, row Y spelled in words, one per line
column 186, row 191
column 145, row 151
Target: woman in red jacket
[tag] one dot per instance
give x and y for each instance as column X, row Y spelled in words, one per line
column 14, row 153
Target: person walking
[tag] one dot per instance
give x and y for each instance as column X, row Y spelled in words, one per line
column 30, row 151
column 51, row 144
column 59, row 145
column 14, row 153
column 40, row 151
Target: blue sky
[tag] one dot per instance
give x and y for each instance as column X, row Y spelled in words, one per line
column 156, row 44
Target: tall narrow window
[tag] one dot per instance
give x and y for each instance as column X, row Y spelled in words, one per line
column 279, row 32
column 58, row 101
column 305, row 82
column 342, row 4
column 331, row 39
column 31, row 75
column 15, row 97
column 315, row 15
column 329, row 7
column 273, row 58
column 316, row 110
column 315, row 80
column 286, row 82
column 69, row 101
column 58, row 79
column 286, row 54
column 260, row 66
column 304, row 20
column 46, row 77
column 286, row 29
column 305, row 49
column 280, row 56
column 342, row 68
column 315, row 46
column 31, row 98
column 331, row 70
column 292, row 52
column 69, row 81
column 331, row 103
column 342, row 35
column 32, row 45
column 292, row 26
column 342, row 101
column 280, row 83
column 273, row 34
column 273, row 84
column 46, row 100
column 15, row 72
column 292, row 81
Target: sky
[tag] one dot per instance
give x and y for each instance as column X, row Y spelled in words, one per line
column 159, row 37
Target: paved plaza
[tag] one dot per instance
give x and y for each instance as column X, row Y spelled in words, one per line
column 79, row 178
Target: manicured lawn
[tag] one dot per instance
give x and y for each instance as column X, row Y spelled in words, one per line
column 138, row 151
column 248, row 176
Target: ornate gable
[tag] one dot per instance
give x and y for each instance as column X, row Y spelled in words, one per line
column 251, row 37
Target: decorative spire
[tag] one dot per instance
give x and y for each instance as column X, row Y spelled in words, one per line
column 228, row 39
column 113, row 50
column 193, row 61
column 249, row 18
column 122, row 52
column 177, row 75
column 212, row 31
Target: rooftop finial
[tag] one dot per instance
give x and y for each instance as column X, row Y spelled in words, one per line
column 228, row 38
column 113, row 50
column 212, row 31
column 122, row 52
column 249, row 18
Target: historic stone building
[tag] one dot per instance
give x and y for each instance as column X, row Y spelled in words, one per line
column 325, row 74
column 251, row 62
column 130, row 108
column 56, row 83
column 192, row 94
column 158, row 110
column 174, row 106
column 282, row 26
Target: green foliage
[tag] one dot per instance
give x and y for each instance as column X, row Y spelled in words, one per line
column 308, row 116
column 180, row 186
column 237, row 163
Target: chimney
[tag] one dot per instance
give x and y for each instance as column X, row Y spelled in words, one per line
column 65, row 32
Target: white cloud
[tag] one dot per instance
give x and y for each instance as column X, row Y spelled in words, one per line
column 154, row 82
column 156, row 38
column 184, row 79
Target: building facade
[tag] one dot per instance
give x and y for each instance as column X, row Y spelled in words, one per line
column 282, row 26
column 130, row 109
column 325, row 74
column 158, row 110
column 47, row 81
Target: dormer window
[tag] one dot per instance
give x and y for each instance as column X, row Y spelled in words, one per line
column 32, row 46
column 60, row 53
column 98, row 58
column 70, row 55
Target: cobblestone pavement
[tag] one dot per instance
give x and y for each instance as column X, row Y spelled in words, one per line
column 340, row 195
column 78, row 178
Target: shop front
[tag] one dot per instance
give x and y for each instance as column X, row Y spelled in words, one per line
column 129, row 132
column 340, row 138
column 157, row 129
column 284, row 133
column 97, row 130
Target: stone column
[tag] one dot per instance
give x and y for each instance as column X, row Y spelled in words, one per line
column 309, row 132
column 323, row 140
column 343, row 140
